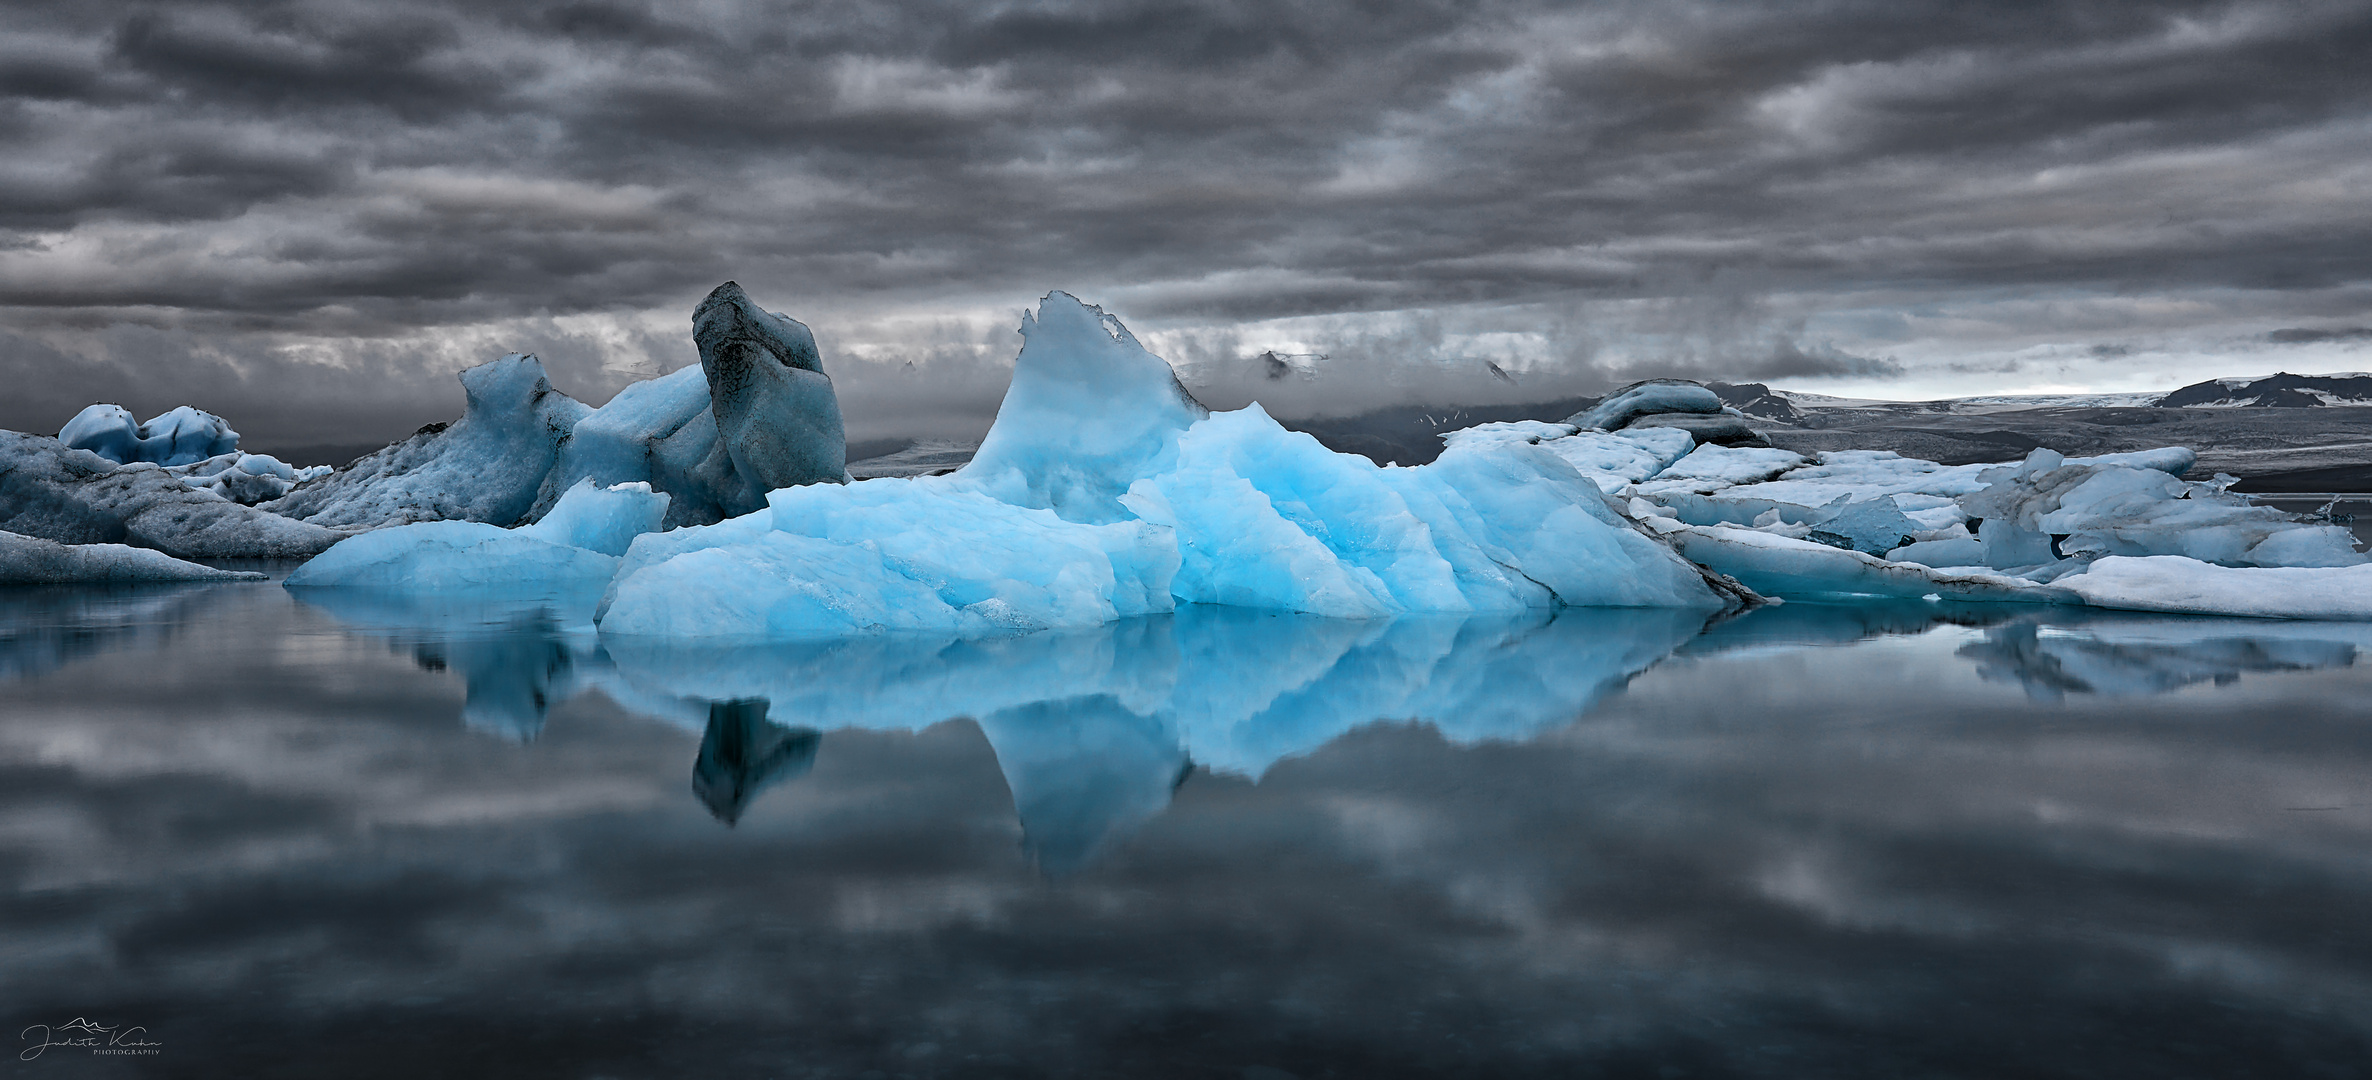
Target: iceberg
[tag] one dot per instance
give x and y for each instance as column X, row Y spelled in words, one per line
column 1088, row 413
column 576, row 547
column 1671, row 403
column 778, row 421
column 1783, row 566
column 71, row 496
column 2174, row 583
column 1639, row 399
column 180, row 436
column 26, row 560
column 2048, row 508
column 486, row 467
column 1105, row 491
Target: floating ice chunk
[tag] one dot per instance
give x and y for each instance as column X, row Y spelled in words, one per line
column 487, row 466
column 2175, row 583
column 184, row 435
column 106, row 430
column 1088, row 412
column 2171, row 460
column 177, row 437
column 659, row 431
column 78, row 497
column 601, row 519
column 1725, row 428
column 1158, row 507
column 1644, row 398
column 1711, row 468
column 2047, row 508
column 1526, row 432
column 26, row 560
column 1958, row 551
column 1616, row 460
column 777, row 419
column 246, row 479
column 889, row 555
column 438, row 556
column 1870, row 526
column 1269, row 518
column 1789, row 568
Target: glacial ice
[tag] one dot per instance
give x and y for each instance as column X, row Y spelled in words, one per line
column 1611, row 460
column 26, row 560
column 1105, row 491
column 777, row 419
column 2174, row 583
column 601, row 519
column 179, row 436
column 1089, row 411
column 77, row 497
column 1626, row 405
column 246, row 479
column 1783, row 566
column 575, row 548
column 2047, row 508
column 486, row 467
column 433, row 556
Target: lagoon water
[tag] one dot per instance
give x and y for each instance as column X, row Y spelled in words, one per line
column 336, row 836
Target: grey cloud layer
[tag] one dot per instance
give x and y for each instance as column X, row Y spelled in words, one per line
column 275, row 183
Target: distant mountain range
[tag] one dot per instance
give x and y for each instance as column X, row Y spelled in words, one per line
column 2282, row 391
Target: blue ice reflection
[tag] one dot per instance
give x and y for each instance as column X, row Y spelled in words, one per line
column 1094, row 729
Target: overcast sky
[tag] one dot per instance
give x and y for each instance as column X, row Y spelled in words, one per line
column 307, row 215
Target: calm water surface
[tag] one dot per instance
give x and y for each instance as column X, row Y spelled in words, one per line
column 339, row 836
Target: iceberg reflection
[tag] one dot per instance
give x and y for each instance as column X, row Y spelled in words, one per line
column 1094, row 729
column 743, row 753
column 2131, row 657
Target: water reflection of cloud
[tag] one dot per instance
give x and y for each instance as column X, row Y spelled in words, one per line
column 1765, row 862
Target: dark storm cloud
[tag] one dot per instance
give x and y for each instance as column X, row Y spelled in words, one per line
column 318, row 175
column 2299, row 336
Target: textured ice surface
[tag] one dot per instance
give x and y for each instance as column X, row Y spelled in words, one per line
column 177, row 437
column 778, row 422
column 2175, row 583
column 658, row 432
column 1611, row 460
column 928, row 554
column 2109, row 508
column 1711, row 468
column 452, row 556
column 1870, row 526
column 487, row 466
column 78, row 497
column 247, row 479
column 1088, row 412
column 1641, row 399
column 1786, row 567
column 1104, row 491
column 601, row 519
column 574, row 548
column 26, row 560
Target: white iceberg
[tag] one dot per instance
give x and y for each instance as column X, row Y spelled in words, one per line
column 2048, row 508
column 1611, row 460
column 2174, row 583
